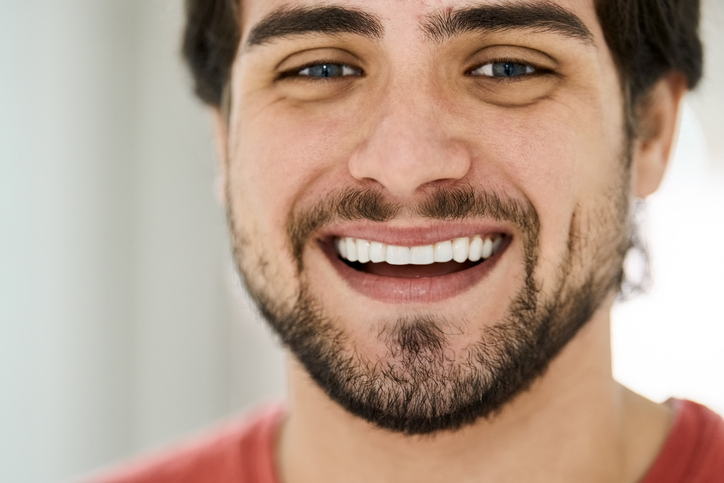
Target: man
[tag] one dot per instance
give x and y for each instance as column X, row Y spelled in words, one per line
column 429, row 200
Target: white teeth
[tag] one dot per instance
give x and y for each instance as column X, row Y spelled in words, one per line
column 351, row 250
column 378, row 252
column 342, row 247
column 398, row 255
column 424, row 255
column 443, row 252
column 460, row 249
column 487, row 248
column 363, row 250
column 476, row 249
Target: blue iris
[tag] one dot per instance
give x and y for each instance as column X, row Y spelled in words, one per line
column 324, row 70
column 510, row 69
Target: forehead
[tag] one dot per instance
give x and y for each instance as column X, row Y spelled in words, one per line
column 400, row 18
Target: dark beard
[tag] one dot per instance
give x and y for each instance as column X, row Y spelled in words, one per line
column 418, row 387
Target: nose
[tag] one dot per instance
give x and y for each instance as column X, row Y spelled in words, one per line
column 408, row 147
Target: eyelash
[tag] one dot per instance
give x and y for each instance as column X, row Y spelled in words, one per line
column 293, row 74
column 537, row 70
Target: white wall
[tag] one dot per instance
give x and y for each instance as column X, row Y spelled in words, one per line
column 669, row 341
column 65, row 152
column 118, row 330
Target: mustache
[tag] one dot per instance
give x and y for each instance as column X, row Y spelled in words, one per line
column 443, row 204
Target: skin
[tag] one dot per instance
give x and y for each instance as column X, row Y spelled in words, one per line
column 413, row 123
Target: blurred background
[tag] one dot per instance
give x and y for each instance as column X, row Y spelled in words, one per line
column 122, row 325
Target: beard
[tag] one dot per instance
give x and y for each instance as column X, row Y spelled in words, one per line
column 421, row 385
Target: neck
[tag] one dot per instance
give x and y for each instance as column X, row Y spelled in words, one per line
column 574, row 424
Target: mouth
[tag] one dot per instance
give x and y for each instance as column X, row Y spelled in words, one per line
column 419, row 273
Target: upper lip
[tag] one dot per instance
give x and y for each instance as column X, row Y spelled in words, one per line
column 414, row 235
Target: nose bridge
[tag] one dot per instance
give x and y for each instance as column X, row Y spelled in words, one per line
column 408, row 144
column 407, row 126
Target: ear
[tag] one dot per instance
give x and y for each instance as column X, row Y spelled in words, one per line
column 657, row 126
column 221, row 143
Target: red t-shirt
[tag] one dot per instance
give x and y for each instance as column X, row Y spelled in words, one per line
column 244, row 453
column 694, row 450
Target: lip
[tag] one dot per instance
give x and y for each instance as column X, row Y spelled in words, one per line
column 395, row 290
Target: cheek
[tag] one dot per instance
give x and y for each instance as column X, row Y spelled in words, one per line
column 564, row 160
column 536, row 156
column 280, row 158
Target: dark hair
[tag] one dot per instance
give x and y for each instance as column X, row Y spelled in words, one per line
column 648, row 39
column 210, row 41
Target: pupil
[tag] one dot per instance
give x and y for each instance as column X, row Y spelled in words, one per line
column 328, row 70
column 508, row 69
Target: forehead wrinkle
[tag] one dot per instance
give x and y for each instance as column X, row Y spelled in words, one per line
column 539, row 17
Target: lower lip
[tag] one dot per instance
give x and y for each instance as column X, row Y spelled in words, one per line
column 396, row 290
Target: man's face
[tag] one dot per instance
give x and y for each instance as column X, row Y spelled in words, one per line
column 414, row 132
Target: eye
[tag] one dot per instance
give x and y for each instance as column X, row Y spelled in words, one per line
column 504, row 70
column 324, row 71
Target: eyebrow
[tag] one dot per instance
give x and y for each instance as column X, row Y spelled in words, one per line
column 540, row 17
column 288, row 22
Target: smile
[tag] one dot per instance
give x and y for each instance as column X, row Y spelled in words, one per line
column 394, row 273
column 460, row 250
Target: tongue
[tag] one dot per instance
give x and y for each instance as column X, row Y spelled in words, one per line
column 415, row 271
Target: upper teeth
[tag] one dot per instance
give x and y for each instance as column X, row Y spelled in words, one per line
column 460, row 249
